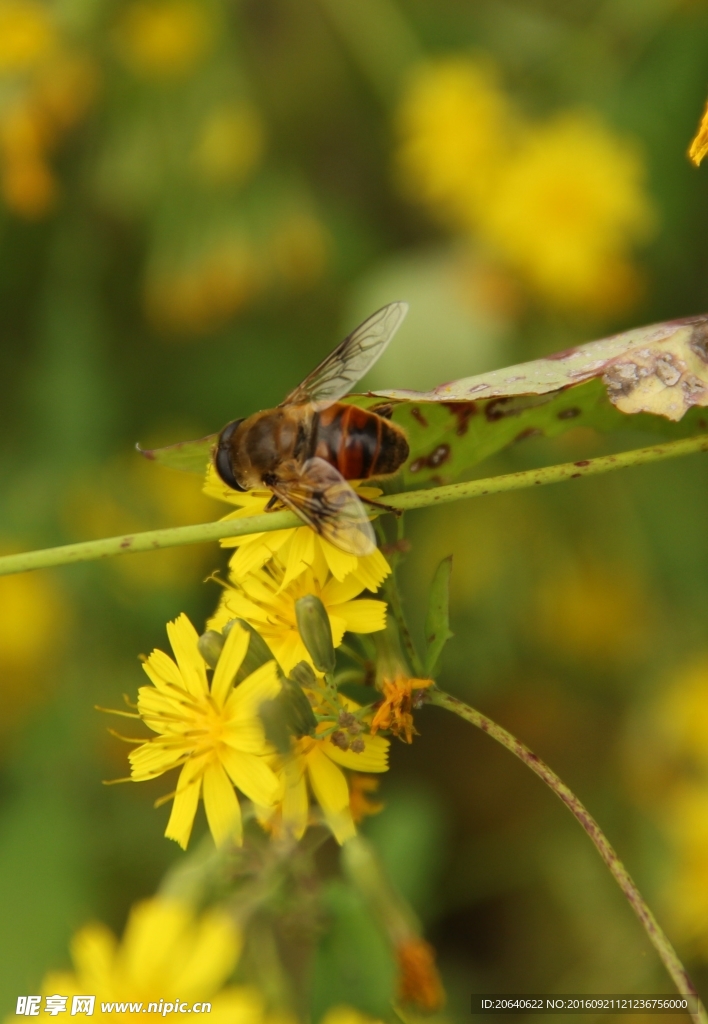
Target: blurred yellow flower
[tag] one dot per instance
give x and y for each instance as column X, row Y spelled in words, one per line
column 566, row 209
column 27, row 35
column 455, row 127
column 212, row 732
column 419, row 982
column 164, row 38
column 682, row 716
column 230, row 144
column 166, row 953
column 595, row 613
column 128, row 495
column 685, row 823
column 299, row 250
column 295, row 549
column 347, row 1015
column 203, row 289
column 269, row 607
column 360, row 803
column 34, row 616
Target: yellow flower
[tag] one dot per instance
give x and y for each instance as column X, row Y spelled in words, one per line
column 395, row 713
column 164, row 38
column 194, row 287
column 565, row 210
column 685, row 822
column 27, row 35
column 347, row 1015
column 212, row 732
column 318, row 763
column 699, row 146
column 230, row 144
column 455, row 126
column 295, row 549
column 360, row 804
column 266, row 604
column 166, row 954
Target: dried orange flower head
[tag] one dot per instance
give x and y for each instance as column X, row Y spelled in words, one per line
column 395, row 712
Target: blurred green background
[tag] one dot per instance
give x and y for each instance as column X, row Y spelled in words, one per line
column 199, row 198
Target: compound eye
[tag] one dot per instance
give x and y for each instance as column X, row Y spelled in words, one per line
column 222, row 459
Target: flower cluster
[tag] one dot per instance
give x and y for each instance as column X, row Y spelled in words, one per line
column 47, row 85
column 558, row 203
column 253, row 706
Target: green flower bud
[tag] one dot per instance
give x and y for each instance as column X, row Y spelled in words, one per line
column 316, row 632
column 210, row 646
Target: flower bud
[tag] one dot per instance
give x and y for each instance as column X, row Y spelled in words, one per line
column 210, row 646
column 316, row 632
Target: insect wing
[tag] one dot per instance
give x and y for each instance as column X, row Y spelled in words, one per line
column 192, row 456
column 340, row 371
column 322, row 497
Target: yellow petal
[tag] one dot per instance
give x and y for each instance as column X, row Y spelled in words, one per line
column 221, row 806
column 93, row 951
column 372, row 570
column 295, row 805
column 337, row 592
column 183, row 638
column 328, row 782
column 332, row 793
column 373, row 758
column 252, row 776
column 363, row 616
column 212, row 956
column 152, row 936
column 162, row 670
column 232, row 654
column 699, row 146
column 340, row 563
column 298, row 555
column 246, row 699
column 184, row 807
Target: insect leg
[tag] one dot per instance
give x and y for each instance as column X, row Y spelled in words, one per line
column 384, row 508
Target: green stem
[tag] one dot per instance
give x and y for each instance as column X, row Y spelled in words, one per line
column 154, row 540
column 656, row 935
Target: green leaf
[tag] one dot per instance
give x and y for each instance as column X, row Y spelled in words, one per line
column 191, row 456
column 437, row 619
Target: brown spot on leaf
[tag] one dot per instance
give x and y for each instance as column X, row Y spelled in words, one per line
column 439, row 455
column 416, row 466
column 666, row 370
column 496, row 411
column 529, row 432
column 621, row 379
column 693, row 388
column 418, row 416
column 699, row 341
column 583, row 462
column 463, row 411
column 570, row 414
column 562, row 355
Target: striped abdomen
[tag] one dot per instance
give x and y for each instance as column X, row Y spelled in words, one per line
column 359, row 443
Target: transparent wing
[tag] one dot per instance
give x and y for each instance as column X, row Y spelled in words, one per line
column 321, row 496
column 340, row 371
column 192, row 456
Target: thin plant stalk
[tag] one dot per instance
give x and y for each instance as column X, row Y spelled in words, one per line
column 654, row 931
column 155, row 540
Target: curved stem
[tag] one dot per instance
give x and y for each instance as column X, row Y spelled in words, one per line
column 656, row 935
column 154, row 540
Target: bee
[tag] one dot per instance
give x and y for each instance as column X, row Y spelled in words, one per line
column 307, row 449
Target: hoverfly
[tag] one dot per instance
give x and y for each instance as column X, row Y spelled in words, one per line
column 306, row 449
